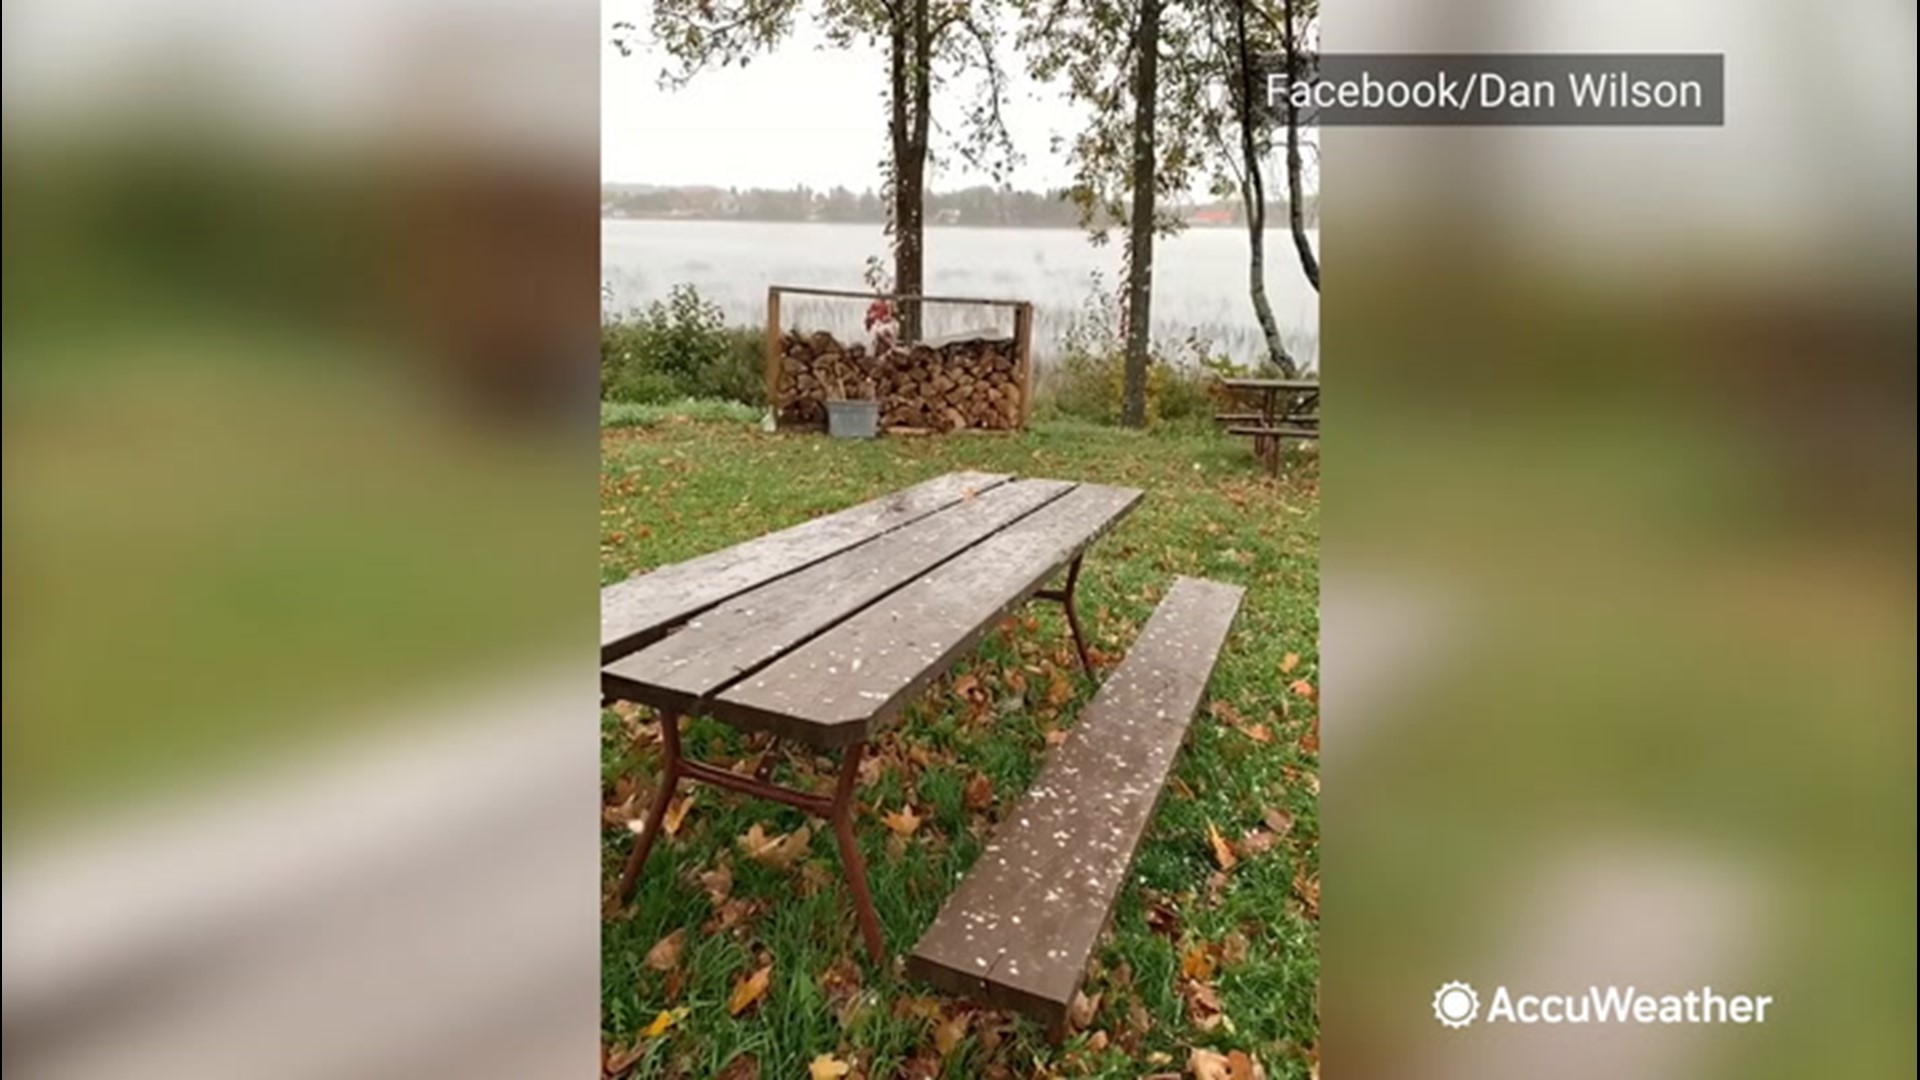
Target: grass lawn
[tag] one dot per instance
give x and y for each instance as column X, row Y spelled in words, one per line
column 1215, row 938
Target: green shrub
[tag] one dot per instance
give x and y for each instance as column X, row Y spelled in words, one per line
column 1088, row 380
column 679, row 348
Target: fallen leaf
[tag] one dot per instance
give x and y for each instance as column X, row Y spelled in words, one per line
column 1216, row 886
column 615, row 1063
column 1197, row 963
column 741, row 1067
column 1097, row 1042
column 749, row 990
column 718, row 883
column 665, row 954
column 1289, row 662
column 1163, row 918
column 676, row 814
column 827, row 1067
column 979, row 793
column 1257, row 842
column 918, row 1008
column 1203, row 1005
column 1080, row 1011
column 1139, row 1020
column 1259, row 733
column 966, row 685
column 1301, row 688
column 1278, row 820
column 1222, row 851
column 1239, row 1065
column 1233, row 948
column 666, row 1019
column 732, row 913
column 779, row 852
column 948, row 1033
column 903, row 822
column 1307, row 888
column 1208, row 1065
column 1060, row 691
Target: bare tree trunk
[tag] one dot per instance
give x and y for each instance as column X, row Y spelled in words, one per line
column 1253, row 198
column 909, row 86
column 1133, row 405
column 1296, row 211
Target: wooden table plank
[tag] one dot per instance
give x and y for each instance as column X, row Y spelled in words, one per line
column 746, row 632
column 641, row 609
column 844, row 684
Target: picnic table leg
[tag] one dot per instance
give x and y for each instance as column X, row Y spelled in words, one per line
column 1064, row 596
column 657, row 813
column 841, row 815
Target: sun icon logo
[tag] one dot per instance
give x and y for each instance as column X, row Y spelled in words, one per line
column 1455, row 1004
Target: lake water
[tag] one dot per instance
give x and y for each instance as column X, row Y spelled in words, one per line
column 1200, row 277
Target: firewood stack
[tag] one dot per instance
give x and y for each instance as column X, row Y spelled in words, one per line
column 970, row 382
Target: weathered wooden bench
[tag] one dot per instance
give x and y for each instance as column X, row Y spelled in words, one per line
column 1018, row 931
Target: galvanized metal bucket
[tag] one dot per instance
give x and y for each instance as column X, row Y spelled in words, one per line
column 853, row 419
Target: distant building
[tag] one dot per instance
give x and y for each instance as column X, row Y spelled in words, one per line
column 949, row 216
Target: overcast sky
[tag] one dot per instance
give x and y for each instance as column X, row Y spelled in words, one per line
column 801, row 115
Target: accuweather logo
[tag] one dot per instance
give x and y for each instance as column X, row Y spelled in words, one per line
column 1457, row 1005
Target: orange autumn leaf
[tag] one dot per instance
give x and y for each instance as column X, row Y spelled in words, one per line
column 827, row 1067
column 1301, row 688
column 1197, row 963
column 965, row 685
column 676, row 813
column 749, row 990
column 979, row 793
column 666, row 1019
column 1059, row 691
column 1222, row 851
column 1289, row 662
column 904, row 822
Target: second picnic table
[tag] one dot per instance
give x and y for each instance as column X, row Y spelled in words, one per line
column 821, row 633
column 1286, row 409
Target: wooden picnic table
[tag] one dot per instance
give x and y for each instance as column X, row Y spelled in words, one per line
column 1286, row 409
column 823, row 632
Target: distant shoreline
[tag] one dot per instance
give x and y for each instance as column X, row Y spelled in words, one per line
column 1236, row 226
